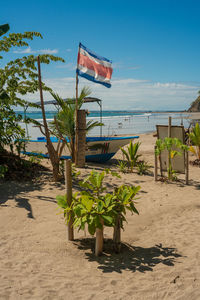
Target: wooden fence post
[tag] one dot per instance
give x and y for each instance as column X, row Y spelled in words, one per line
column 186, row 167
column 68, row 187
column 156, row 165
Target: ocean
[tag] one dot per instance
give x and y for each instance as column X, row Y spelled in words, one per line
column 117, row 122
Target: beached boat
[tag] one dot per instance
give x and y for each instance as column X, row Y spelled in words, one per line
column 98, row 149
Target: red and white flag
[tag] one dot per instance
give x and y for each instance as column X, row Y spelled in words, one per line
column 94, row 67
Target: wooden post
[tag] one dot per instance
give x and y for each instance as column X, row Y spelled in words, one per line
column 156, row 165
column 169, row 152
column 170, row 127
column 117, row 235
column 81, row 138
column 99, row 241
column 186, row 167
column 68, row 187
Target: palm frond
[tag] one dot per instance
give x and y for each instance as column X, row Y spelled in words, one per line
column 58, row 99
column 91, row 124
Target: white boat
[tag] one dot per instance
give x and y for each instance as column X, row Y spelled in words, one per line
column 98, row 149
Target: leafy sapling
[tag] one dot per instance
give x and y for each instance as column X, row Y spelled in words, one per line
column 131, row 154
column 96, row 208
column 174, row 147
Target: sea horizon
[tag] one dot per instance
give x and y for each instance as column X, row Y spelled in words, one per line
column 117, row 122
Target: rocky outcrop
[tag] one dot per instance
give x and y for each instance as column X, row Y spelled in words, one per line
column 195, row 106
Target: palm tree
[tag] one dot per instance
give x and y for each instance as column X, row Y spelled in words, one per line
column 195, row 140
column 64, row 122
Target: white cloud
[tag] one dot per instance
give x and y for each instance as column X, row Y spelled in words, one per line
column 30, row 51
column 27, row 51
column 128, row 94
column 48, row 51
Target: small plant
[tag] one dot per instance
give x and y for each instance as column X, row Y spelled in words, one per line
column 3, row 171
column 143, row 167
column 194, row 136
column 36, row 159
column 96, row 208
column 170, row 144
column 131, row 154
column 122, row 165
column 62, row 167
column 75, row 173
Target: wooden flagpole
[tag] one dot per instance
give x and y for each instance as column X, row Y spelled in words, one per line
column 76, row 133
column 76, row 116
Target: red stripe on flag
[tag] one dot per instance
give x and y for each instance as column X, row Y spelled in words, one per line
column 97, row 68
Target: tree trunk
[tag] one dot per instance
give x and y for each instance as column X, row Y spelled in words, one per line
column 99, row 241
column 55, row 165
column 53, row 155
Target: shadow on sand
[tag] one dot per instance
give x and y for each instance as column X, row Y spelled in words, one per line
column 131, row 258
column 16, row 191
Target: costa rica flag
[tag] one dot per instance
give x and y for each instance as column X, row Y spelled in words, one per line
column 94, row 67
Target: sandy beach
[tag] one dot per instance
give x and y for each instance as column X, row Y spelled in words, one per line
column 160, row 252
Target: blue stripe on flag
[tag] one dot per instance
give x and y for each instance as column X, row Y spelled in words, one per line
column 94, row 54
column 91, row 78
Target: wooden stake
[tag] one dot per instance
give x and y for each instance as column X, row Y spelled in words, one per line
column 99, row 241
column 169, row 135
column 68, row 187
column 156, row 165
column 117, row 235
column 186, row 167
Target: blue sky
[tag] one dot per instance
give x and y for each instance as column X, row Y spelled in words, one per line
column 154, row 46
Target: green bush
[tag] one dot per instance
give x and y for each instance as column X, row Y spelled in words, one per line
column 95, row 207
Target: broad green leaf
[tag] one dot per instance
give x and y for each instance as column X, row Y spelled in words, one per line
column 107, row 220
column 87, row 202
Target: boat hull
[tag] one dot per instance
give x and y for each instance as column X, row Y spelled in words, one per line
column 98, row 149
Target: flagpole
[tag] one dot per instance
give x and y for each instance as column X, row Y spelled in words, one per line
column 76, row 133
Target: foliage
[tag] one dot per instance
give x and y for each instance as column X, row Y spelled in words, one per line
column 143, row 167
column 122, row 165
column 131, row 154
column 75, row 173
column 36, row 159
column 4, row 28
column 17, row 78
column 194, row 136
column 17, row 168
column 95, row 207
column 174, row 147
column 3, row 170
column 63, row 125
column 9, row 126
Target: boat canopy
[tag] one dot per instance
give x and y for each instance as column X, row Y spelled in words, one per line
column 85, row 100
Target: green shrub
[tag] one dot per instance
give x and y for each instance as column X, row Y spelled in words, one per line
column 95, row 207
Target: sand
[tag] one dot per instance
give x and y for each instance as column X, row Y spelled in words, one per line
column 160, row 252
